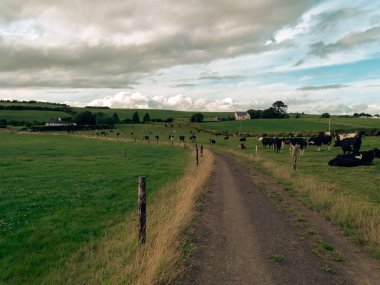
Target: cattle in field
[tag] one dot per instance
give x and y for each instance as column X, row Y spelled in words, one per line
column 351, row 144
column 320, row 140
column 357, row 159
column 212, row 141
column 226, row 137
column 242, row 146
column 156, row 138
column 266, row 141
column 146, row 138
column 277, row 144
column 182, row 138
column 243, row 139
column 297, row 141
column 218, row 134
column 193, row 138
column 171, row 137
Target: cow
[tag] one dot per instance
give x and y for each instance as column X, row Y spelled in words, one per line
column 297, row 141
column 266, row 141
column 351, row 144
column 146, row 138
column 277, row 144
column 212, row 141
column 243, row 139
column 182, row 138
column 218, row 134
column 320, row 140
column 226, row 137
column 171, row 137
column 242, row 146
column 193, row 138
column 157, row 138
column 350, row 159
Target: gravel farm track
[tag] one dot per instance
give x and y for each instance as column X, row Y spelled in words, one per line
column 251, row 231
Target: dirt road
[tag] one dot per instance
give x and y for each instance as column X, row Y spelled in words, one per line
column 246, row 238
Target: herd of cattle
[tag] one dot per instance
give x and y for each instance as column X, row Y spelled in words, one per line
column 349, row 143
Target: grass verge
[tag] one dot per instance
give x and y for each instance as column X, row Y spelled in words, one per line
column 118, row 259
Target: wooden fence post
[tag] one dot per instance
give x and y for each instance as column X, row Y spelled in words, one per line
column 142, row 208
column 196, row 155
column 294, row 156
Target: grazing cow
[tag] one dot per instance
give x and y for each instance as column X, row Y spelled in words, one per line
column 296, row 141
column 226, row 137
column 212, row 141
column 182, row 138
column 218, row 134
column 193, row 138
column 360, row 158
column 266, row 141
column 171, row 137
column 242, row 146
column 277, row 144
column 146, row 138
column 243, row 139
column 348, row 145
column 320, row 140
column 117, row 135
column 157, row 138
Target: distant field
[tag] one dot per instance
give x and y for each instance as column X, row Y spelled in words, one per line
column 31, row 115
column 61, row 193
column 38, row 104
column 155, row 114
column 285, row 126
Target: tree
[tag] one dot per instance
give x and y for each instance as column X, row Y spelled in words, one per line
column 280, row 109
column 135, row 117
column 298, row 115
column 255, row 114
column 115, row 118
column 269, row 113
column 146, row 118
column 197, row 118
column 325, row 115
column 85, row 118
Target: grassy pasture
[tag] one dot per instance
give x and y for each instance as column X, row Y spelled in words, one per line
column 305, row 124
column 155, row 113
column 31, row 115
column 62, row 193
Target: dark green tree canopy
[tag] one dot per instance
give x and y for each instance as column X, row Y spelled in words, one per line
column 197, row 118
column 325, row 115
column 280, row 109
column 115, row 118
column 146, row 118
column 135, row 117
column 85, row 118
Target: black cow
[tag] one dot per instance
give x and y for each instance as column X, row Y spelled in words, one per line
column 357, row 159
column 349, row 144
column 297, row 141
column 277, row 144
column 218, row 134
column 243, row 139
column 182, row 138
column 266, row 141
column 146, row 138
column 157, row 138
column 226, row 137
column 320, row 140
column 212, row 141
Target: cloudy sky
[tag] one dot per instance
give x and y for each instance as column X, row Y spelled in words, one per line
column 210, row 55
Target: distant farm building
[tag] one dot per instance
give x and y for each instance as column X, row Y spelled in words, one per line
column 56, row 122
column 242, row 116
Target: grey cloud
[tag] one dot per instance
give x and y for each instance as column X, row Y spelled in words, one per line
column 171, row 33
column 332, row 86
column 351, row 40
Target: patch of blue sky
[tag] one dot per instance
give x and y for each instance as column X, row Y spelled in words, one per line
column 344, row 74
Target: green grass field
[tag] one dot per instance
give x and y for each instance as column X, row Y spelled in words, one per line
column 61, row 193
column 31, row 115
column 285, row 126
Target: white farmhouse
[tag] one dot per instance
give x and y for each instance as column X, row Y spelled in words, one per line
column 242, row 116
column 56, row 122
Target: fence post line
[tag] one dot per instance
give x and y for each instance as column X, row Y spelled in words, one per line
column 142, row 208
column 294, row 156
column 196, row 154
